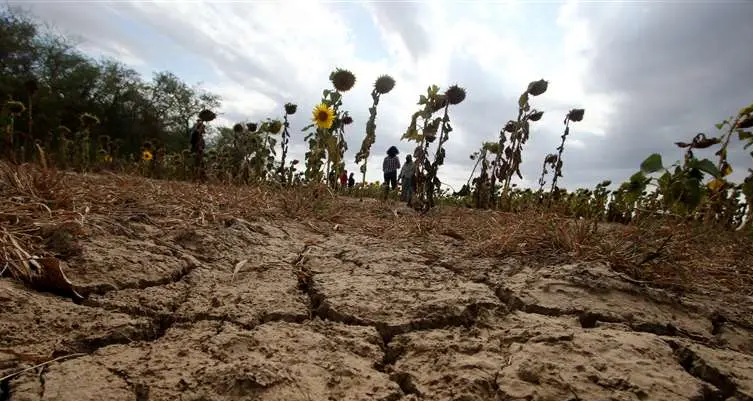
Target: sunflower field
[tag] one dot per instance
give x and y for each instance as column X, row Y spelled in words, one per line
column 74, row 113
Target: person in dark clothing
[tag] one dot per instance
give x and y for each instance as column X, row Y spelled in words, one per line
column 197, row 148
column 351, row 181
column 390, row 166
column 406, row 179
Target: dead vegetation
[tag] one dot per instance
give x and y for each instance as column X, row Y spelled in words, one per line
column 44, row 213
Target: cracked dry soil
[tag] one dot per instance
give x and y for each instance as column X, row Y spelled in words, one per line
column 307, row 315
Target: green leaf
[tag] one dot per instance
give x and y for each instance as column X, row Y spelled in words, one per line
column 422, row 99
column 743, row 135
column 719, row 125
column 652, row 164
column 523, row 100
column 706, row 166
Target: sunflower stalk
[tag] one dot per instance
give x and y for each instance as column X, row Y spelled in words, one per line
column 453, row 96
column 324, row 143
column 508, row 160
column 572, row 115
column 290, row 109
column 383, row 85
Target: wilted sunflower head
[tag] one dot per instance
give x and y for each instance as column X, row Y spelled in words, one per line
column 384, row 84
column 576, row 114
column 347, row 119
column 274, row 126
column 343, row 80
column 88, row 120
column 290, row 108
column 31, row 86
column 536, row 88
column 323, row 116
column 15, row 107
column 63, row 130
column 207, row 115
column 238, row 128
column 455, row 94
column 252, row 127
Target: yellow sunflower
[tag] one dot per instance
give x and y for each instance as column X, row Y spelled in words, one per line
column 715, row 184
column 146, row 155
column 323, row 116
column 108, row 159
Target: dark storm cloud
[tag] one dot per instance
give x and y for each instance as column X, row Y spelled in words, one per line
column 677, row 69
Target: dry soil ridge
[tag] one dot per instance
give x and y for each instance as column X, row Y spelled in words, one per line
column 281, row 310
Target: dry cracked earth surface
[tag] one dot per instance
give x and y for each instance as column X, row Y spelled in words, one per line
column 281, row 310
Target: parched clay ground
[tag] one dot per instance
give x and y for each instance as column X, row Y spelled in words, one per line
column 284, row 310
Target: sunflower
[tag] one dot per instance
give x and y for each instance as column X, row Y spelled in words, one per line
column 323, row 116
column 108, row 159
column 715, row 184
column 146, row 155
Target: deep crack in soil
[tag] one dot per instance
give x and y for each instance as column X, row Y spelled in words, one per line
column 281, row 310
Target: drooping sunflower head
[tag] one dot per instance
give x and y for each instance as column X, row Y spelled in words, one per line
column 238, row 128
column 576, row 114
column 323, row 116
column 455, row 94
column 343, row 80
column 88, row 120
column 384, row 84
column 274, row 126
column 536, row 88
column 63, row 131
column 290, row 108
column 31, row 85
column 15, row 107
column 252, row 127
column 207, row 115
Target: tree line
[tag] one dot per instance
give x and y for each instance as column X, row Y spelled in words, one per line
column 45, row 70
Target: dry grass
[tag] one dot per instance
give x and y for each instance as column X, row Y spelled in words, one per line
column 37, row 204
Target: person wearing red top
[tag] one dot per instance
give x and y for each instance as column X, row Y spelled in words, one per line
column 344, row 179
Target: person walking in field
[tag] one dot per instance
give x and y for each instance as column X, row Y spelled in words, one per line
column 390, row 166
column 351, row 182
column 344, row 179
column 406, row 179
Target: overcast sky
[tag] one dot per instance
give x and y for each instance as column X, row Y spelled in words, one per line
column 648, row 73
